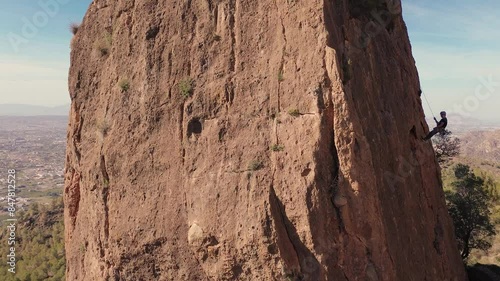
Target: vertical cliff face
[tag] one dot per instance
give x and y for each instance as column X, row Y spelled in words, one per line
column 250, row 140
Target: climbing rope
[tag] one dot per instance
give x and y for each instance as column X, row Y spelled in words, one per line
column 428, row 104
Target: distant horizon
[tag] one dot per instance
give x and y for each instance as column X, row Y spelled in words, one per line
column 19, row 109
column 427, row 117
column 454, row 45
column 41, row 105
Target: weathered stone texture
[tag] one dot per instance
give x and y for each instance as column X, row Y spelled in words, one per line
column 296, row 155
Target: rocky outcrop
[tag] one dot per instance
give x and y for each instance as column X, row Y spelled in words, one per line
column 250, row 140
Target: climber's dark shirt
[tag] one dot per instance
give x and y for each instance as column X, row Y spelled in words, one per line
column 443, row 123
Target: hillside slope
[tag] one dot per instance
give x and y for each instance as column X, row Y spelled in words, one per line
column 250, row 140
column 39, row 244
column 481, row 145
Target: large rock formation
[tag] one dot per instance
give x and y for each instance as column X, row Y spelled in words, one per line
column 250, row 140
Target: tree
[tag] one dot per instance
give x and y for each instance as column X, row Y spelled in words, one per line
column 39, row 245
column 445, row 146
column 468, row 206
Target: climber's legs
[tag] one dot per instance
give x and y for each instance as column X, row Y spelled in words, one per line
column 431, row 134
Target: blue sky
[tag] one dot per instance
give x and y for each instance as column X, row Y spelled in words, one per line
column 455, row 45
column 34, row 62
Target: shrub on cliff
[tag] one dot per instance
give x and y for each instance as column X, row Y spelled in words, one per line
column 103, row 128
column 73, row 27
column 186, row 87
column 255, row 165
column 104, row 44
column 445, row 146
column 277, row 147
column 124, row 85
column 294, row 112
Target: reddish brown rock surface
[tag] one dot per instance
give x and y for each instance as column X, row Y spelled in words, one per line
column 297, row 156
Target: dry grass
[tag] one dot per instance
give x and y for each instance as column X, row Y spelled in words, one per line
column 255, row 165
column 103, row 45
column 103, row 128
column 73, row 27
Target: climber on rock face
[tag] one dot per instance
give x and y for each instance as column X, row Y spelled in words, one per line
column 441, row 125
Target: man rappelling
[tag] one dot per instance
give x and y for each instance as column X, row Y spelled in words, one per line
column 441, row 125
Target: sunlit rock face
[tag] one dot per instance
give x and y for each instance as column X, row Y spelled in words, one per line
column 250, row 140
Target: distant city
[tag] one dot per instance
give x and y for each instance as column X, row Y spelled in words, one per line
column 35, row 148
column 33, row 110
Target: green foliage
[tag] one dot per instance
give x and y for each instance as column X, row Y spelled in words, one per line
column 294, row 112
column 124, row 85
column 82, row 248
column 186, row 87
column 491, row 187
column 255, row 165
column 468, row 205
column 445, row 147
column 280, row 76
column 39, row 244
column 277, row 147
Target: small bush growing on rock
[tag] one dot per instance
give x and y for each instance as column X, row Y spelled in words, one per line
column 103, row 128
column 82, row 249
column 216, row 37
column 294, row 112
column 124, row 85
column 256, row 165
column 73, row 27
column 104, row 44
column 280, row 76
column 277, row 147
column 186, row 87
